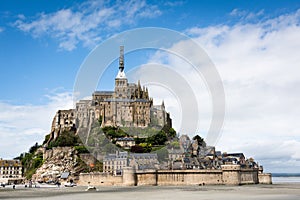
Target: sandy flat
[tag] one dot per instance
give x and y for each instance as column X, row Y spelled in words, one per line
column 275, row 191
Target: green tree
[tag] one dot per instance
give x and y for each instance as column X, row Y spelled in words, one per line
column 65, row 139
column 34, row 148
column 171, row 133
column 47, row 137
column 81, row 149
column 200, row 140
column 158, row 139
column 100, row 120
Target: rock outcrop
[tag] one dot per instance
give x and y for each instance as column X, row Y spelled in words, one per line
column 56, row 161
column 64, row 120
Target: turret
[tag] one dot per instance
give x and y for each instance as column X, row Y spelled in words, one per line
column 147, row 94
column 139, row 90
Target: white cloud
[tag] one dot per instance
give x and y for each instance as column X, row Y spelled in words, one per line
column 85, row 23
column 258, row 63
column 23, row 125
column 246, row 15
column 237, row 12
column 174, row 3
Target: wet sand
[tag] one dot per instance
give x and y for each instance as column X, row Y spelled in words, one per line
column 275, row 191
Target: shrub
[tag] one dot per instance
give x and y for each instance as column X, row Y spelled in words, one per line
column 81, row 149
column 65, row 139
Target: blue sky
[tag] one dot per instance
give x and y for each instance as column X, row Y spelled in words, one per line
column 33, row 65
column 43, row 44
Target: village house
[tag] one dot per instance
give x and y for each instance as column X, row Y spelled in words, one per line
column 114, row 163
column 126, row 142
column 10, row 171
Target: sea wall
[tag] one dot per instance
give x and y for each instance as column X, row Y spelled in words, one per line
column 231, row 174
column 265, row 178
column 146, row 177
column 189, row 177
column 228, row 175
column 249, row 176
column 99, row 178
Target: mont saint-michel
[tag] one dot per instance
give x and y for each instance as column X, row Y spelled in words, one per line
column 200, row 102
column 121, row 138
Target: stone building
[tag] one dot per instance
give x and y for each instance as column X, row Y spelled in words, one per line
column 64, row 120
column 114, row 163
column 84, row 113
column 126, row 142
column 235, row 158
column 10, row 171
column 144, row 161
column 129, row 105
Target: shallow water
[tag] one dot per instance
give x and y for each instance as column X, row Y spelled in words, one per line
column 286, row 178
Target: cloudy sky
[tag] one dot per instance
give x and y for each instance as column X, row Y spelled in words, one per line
column 254, row 46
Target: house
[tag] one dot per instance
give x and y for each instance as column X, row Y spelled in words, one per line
column 10, row 171
column 236, row 158
column 175, row 158
column 142, row 161
column 114, row 163
column 126, row 142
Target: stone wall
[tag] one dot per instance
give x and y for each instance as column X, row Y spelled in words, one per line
column 129, row 176
column 249, row 176
column 189, row 177
column 229, row 175
column 265, row 178
column 99, row 179
column 146, row 177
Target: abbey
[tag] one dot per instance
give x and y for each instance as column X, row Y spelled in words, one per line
column 129, row 105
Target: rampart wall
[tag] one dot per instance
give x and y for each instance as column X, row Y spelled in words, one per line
column 265, row 178
column 99, row 178
column 228, row 175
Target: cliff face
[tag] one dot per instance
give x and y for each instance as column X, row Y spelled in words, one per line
column 64, row 120
column 56, row 161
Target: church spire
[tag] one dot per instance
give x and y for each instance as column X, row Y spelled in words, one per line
column 121, row 59
column 121, row 73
